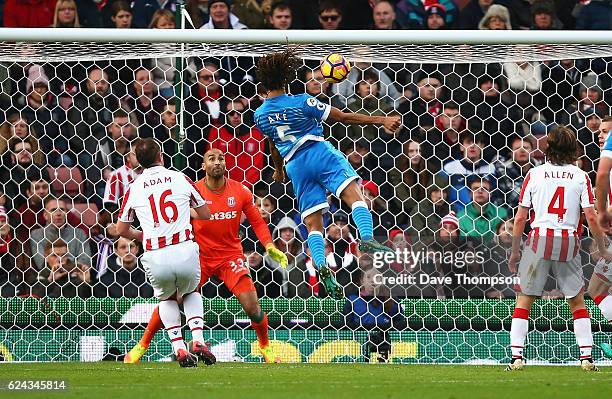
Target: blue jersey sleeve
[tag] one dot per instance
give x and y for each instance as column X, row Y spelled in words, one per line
column 606, row 151
column 315, row 109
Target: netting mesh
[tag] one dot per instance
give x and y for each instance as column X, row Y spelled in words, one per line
column 474, row 121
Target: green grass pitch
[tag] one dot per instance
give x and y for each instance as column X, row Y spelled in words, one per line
column 109, row 380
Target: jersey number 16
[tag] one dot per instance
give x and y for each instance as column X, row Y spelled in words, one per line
column 163, row 208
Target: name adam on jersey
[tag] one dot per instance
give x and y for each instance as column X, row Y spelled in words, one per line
column 153, row 182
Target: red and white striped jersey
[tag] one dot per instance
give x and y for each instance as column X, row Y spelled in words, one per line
column 161, row 200
column 557, row 193
column 118, row 184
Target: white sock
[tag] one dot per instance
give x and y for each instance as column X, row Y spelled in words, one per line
column 518, row 332
column 582, row 329
column 194, row 310
column 170, row 315
column 605, row 305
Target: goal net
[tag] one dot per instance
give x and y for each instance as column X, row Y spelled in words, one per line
column 475, row 114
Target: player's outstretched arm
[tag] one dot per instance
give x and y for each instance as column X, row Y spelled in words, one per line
column 391, row 123
column 125, row 230
column 279, row 172
column 520, row 221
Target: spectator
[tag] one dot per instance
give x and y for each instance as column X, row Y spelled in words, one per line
column 204, row 103
column 124, row 277
column 28, row 13
column 167, row 132
column 525, row 85
column 342, row 248
column 280, row 16
column 327, row 216
column 496, row 18
column 367, row 100
column 316, row 85
column 23, row 162
column 40, row 107
column 58, row 227
column 480, row 217
column 497, row 266
column 242, row 145
column 543, row 16
column 596, row 15
column 420, row 112
column 163, row 70
column 346, row 89
column 425, row 218
column 449, row 125
column 121, row 14
column 288, row 239
column 511, row 172
column 252, row 13
column 472, row 13
column 410, row 181
column 116, row 144
column 144, row 11
column 66, row 15
column 435, row 17
column 494, row 113
column 268, row 211
column 119, row 181
column 590, row 101
column 330, row 15
column 103, row 238
column 458, row 171
column 143, row 102
column 363, row 161
column 112, row 149
column 383, row 14
column 267, row 282
column 560, row 83
column 198, row 11
column 14, row 259
column 91, row 114
column 16, row 126
column 412, row 13
column 221, row 17
column 89, row 14
column 64, row 277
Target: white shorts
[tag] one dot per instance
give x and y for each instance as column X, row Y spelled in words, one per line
column 172, row 268
column 534, row 271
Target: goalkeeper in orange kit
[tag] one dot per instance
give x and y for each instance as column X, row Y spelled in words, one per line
column 221, row 254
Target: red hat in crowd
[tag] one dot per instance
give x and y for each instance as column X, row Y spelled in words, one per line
column 436, row 8
column 394, row 233
column 451, row 218
column 370, row 185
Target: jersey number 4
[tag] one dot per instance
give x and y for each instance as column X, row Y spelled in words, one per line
column 164, row 206
column 557, row 204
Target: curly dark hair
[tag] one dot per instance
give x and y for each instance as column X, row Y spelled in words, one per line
column 276, row 70
column 562, row 146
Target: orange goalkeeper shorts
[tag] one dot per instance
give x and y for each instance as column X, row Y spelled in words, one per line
column 233, row 272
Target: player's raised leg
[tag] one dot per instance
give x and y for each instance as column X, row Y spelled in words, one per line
column 316, row 243
column 362, row 216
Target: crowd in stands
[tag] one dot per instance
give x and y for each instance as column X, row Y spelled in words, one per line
column 470, row 134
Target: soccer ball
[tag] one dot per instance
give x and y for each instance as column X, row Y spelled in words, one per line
column 335, row 68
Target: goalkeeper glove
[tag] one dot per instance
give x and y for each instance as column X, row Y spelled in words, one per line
column 277, row 255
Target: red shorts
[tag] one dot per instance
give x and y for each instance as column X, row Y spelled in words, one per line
column 230, row 271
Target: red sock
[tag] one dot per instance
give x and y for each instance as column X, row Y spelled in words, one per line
column 155, row 324
column 261, row 329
